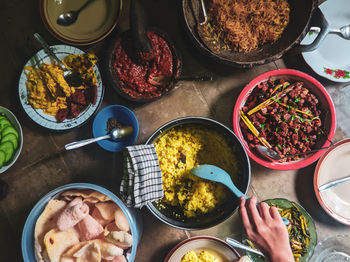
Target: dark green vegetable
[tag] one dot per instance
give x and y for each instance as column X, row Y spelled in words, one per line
column 2, row 158
column 7, row 148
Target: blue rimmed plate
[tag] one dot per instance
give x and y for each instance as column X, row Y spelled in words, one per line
column 48, row 121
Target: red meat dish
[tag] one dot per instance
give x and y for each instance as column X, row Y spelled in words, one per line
column 61, row 115
column 292, row 123
column 78, row 97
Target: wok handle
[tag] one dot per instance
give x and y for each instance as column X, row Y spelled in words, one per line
column 319, row 21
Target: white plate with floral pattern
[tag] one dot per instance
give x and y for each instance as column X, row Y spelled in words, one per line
column 332, row 58
column 48, row 121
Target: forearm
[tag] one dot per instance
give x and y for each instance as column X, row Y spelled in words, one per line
column 280, row 256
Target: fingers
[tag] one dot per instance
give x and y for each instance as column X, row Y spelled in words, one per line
column 274, row 213
column 253, row 212
column 244, row 214
column 264, row 210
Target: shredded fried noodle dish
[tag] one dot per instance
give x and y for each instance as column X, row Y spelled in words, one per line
column 244, row 25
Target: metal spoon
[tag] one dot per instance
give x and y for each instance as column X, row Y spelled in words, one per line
column 235, row 243
column 69, row 18
column 72, row 78
column 344, row 31
column 115, row 134
column 214, row 173
column 273, row 155
column 333, row 183
column 204, row 13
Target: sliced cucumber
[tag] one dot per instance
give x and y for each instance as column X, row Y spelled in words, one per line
column 12, row 138
column 9, row 130
column 2, row 158
column 4, row 123
column 8, row 149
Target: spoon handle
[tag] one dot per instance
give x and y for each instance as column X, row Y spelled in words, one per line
column 85, row 5
column 47, row 49
column 204, row 13
column 311, row 151
column 333, row 183
column 85, row 142
column 239, row 245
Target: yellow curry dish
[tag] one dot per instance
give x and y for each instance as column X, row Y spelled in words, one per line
column 48, row 90
column 179, row 150
column 203, row 256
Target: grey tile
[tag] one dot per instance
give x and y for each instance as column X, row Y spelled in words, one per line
column 185, row 100
column 157, row 239
column 29, row 185
column 9, row 241
column 221, row 94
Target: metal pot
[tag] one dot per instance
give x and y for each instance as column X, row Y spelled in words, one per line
column 226, row 210
column 302, row 14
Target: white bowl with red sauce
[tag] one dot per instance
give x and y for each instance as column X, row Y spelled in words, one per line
column 325, row 102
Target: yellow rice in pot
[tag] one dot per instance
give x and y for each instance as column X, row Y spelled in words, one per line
column 187, row 146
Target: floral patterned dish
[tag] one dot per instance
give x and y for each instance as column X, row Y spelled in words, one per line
column 48, row 121
column 331, row 60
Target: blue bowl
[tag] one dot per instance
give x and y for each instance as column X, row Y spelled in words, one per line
column 125, row 116
column 133, row 216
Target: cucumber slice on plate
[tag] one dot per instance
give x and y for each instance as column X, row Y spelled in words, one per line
column 4, row 123
column 12, row 138
column 9, row 130
column 2, row 158
column 8, row 149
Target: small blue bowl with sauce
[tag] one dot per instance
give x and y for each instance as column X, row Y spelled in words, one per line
column 125, row 117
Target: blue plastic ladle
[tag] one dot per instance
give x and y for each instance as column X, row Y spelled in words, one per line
column 214, row 173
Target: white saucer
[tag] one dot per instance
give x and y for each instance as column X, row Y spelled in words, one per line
column 332, row 58
column 334, row 165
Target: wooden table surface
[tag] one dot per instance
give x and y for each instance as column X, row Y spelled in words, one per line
column 43, row 165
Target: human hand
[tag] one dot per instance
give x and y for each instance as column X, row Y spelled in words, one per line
column 266, row 229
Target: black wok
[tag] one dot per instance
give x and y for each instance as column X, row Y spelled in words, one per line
column 300, row 19
column 170, row 214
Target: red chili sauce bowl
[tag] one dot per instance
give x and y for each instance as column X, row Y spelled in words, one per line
column 326, row 104
column 130, row 74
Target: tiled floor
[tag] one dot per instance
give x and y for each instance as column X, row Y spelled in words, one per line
column 43, row 165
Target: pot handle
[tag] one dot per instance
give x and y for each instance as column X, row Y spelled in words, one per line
column 318, row 23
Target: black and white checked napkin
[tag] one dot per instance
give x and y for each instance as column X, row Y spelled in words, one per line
column 142, row 177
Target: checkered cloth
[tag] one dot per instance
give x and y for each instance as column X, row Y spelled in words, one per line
column 142, row 178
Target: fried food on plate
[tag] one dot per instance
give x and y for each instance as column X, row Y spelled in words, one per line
column 48, row 90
